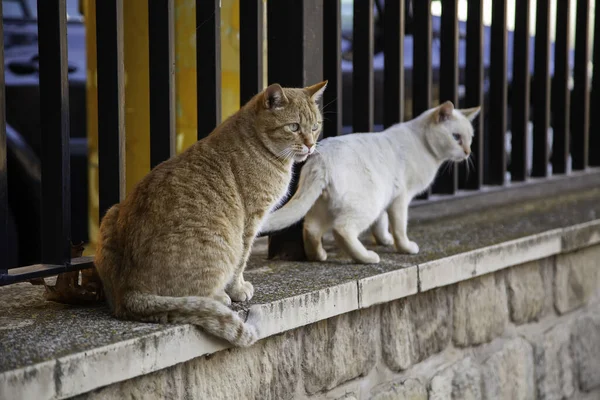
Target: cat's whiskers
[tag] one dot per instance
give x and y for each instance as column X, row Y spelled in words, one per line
column 328, row 104
column 284, row 155
column 470, row 163
column 445, row 167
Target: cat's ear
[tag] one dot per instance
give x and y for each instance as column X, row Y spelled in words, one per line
column 471, row 113
column 444, row 111
column 316, row 91
column 274, row 98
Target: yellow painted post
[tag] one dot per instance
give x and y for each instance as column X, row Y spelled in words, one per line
column 137, row 89
column 135, row 15
column 230, row 56
column 89, row 10
column 185, row 73
column 185, row 66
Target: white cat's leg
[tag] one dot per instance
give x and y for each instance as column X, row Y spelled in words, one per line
column 346, row 229
column 380, row 230
column 398, row 212
column 312, row 232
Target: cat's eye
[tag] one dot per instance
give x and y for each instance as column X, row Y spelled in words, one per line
column 457, row 137
column 315, row 127
column 294, row 127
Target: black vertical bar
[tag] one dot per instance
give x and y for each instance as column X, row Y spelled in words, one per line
column 208, row 65
column 421, row 81
column 3, row 170
column 332, row 70
column 162, row 80
column 362, row 67
column 421, row 90
column 296, row 31
column 111, row 100
column 580, row 104
column 447, row 180
column 54, row 122
column 560, row 93
column 295, row 59
column 498, row 95
column 520, row 92
column 594, row 154
column 541, row 90
column 393, row 71
column 251, row 49
column 474, row 92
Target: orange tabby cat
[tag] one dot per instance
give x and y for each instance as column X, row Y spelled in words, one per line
column 175, row 249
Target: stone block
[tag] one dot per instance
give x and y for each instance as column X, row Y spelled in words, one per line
column 339, row 349
column 526, row 292
column 576, row 278
column 410, row 389
column 164, row 384
column 553, row 364
column 547, row 269
column 480, row 310
column 508, row 374
column 268, row 370
column 585, row 347
column 414, row 328
column 461, row 381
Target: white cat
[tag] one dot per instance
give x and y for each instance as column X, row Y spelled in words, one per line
column 352, row 180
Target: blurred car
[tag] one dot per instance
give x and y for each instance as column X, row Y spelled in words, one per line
column 21, row 67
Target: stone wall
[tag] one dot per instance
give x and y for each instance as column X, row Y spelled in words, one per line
column 526, row 332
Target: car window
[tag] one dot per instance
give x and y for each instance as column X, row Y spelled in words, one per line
column 347, row 12
column 72, row 8
column 12, row 9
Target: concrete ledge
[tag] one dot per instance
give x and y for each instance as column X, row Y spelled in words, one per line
column 283, row 315
column 82, row 372
column 388, row 286
column 460, row 267
column 289, row 295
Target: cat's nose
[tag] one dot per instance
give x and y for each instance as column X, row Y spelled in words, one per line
column 467, row 152
column 308, row 149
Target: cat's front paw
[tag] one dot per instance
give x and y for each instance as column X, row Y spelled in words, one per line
column 409, row 247
column 386, row 240
column 370, row 258
column 318, row 255
column 241, row 292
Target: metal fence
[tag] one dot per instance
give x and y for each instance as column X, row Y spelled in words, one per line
column 304, row 46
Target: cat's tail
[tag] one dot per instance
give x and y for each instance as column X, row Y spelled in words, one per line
column 310, row 186
column 215, row 317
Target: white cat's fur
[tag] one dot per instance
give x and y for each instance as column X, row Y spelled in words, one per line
column 354, row 179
